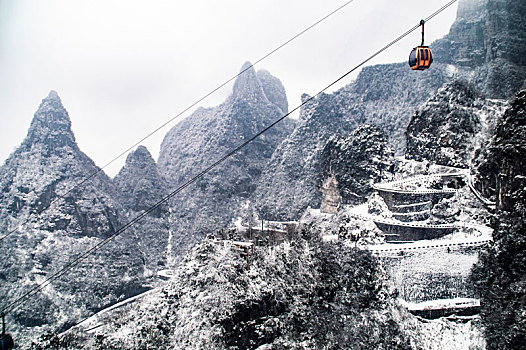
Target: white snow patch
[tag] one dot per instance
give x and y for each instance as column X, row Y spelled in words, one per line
column 441, row 304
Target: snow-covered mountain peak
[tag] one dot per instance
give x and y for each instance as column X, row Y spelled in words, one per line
column 274, row 89
column 53, row 95
column 140, row 182
column 256, row 88
column 51, row 124
column 247, row 86
column 140, row 157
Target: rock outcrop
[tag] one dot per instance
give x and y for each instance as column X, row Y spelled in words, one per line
column 57, row 208
column 140, row 183
column 48, row 165
column 358, row 161
column 488, row 45
column 141, row 186
column 257, row 100
column 452, row 125
column 383, row 95
column 500, row 274
column 485, row 47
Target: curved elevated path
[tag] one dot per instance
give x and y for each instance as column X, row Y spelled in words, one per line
column 414, row 187
column 400, row 186
column 420, row 245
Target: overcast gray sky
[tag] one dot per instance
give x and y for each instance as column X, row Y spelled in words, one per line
column 123, row 68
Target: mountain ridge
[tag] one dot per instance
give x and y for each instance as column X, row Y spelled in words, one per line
column 209, row 134
column 55, row 220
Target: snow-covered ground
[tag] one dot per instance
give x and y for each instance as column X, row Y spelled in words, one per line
column 441, row 304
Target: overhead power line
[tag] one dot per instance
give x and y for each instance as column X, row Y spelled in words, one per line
column 81, row 183
column 13, row 305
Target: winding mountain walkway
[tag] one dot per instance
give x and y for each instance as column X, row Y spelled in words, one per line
column 419, row 245
column 404, row 186
column 94, row 322
column 400, row 186
column 420, row 253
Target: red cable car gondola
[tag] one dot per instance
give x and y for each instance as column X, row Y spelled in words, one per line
column 421, row 57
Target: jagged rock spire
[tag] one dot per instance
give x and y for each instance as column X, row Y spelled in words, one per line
column 51, row 124
column 260, row 87
column 49, row 164
column 247, row 86
column 332, row 198
column 139, row 182
column 274, row 90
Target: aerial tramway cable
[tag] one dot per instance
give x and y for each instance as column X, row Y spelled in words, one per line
column 16, row 303
column 82, row 182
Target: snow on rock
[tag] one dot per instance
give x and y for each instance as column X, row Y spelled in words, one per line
column 445, row 130
column 306, row 294
column 500, row 273
column 317, row 291
column 290, row 182
column 257, row 100
column 141, row 185
column 486, row 45
column 357, row 161
column 55, row 221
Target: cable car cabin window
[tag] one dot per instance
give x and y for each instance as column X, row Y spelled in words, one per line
column 412, row 58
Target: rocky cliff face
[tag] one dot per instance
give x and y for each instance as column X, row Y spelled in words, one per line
column 290, row 181
column 358, row 161
column 141, row 186
column 451, row 125
column 384, row 95
column 501, row 164
column 140, row 182
column 487, row 43
column 276, row 299
column 257, row 100
column 500, row 275
column 48, row 165
column 485, row 47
